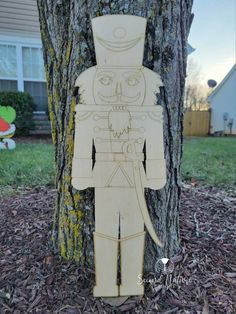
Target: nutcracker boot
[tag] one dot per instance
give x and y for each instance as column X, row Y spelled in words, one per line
column 132, row 251
column 106, row 254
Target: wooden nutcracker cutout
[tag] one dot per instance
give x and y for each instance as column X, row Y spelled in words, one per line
column 118, row 116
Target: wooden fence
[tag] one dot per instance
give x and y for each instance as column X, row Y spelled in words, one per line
column 197, row 123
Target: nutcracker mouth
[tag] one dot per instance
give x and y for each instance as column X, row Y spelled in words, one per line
column 114, row 99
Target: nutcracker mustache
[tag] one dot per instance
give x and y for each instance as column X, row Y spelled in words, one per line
column 119, row 122
column 114, row 99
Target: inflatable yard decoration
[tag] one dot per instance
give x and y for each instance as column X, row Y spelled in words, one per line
column 7, row 129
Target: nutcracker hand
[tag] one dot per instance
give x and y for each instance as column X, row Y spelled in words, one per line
column 155, row 184
column 82, row 175
column 155, row 173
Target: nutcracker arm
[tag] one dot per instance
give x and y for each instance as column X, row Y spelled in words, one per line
column 155, row 161
column 82, row 163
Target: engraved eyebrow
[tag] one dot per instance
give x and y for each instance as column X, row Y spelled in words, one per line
column 129, row 73
column 106, row 72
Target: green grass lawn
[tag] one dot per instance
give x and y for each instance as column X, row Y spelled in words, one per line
column 208, row 160
column 29, row 165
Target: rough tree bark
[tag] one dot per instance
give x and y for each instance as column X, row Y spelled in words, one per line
column 68, row 50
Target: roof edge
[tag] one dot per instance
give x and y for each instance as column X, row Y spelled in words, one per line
column 227, row 76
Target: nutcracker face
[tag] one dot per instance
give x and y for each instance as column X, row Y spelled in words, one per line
column 119, row 86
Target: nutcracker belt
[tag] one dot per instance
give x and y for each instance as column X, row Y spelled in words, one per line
column 130, row 154
column 115, row 157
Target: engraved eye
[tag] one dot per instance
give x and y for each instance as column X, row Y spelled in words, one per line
column 105, row 80
column 132, row 80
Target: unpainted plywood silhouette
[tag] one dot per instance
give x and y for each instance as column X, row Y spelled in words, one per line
column 117, row 115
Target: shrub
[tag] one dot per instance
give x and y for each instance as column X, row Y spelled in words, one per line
column 24, row 105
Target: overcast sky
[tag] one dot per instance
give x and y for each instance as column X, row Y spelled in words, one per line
column 213, row 35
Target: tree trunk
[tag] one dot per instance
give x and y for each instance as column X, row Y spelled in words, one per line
column 69, row 50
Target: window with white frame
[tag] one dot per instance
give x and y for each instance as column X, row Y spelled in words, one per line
column 34, row 76
column 8, row 67
column 33, row 63
column 21, row 68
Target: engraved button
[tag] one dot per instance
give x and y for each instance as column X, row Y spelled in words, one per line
column 96, row 117
column 143, row 117
column 98, row 140
column 140, row 141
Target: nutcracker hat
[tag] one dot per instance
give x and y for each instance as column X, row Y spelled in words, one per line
column 119, row 40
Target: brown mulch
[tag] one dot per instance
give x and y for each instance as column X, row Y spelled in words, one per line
column 202, row 279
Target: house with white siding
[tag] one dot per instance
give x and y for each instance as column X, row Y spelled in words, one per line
column 223, row 105
column 21, row 60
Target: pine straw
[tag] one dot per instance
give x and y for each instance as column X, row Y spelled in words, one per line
column 201, row 279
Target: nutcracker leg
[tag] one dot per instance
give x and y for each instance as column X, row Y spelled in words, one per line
column 106, row 243
column 106, row 254
column 132, row 250
column 132, row 237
